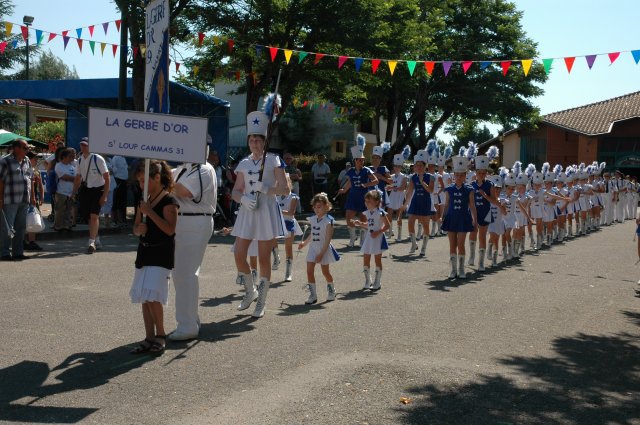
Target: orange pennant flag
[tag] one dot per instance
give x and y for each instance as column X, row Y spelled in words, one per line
column 466, row 65
column 613, row 56
column 318, row 57
column 392, row 66
column 569, row 63
column 505, row 67
column 374, row 65
column 428, row 66
column 102, row 46
column 526, row 65
column 287, row 55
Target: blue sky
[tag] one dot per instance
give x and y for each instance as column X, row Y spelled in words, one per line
column 560, row 27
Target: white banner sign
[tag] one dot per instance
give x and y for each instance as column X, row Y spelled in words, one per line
column 156, row 81
column 146, row 135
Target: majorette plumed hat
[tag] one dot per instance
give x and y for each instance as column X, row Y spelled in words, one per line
column 510, row 180
column 421, row 156
column 562, row 177
column 537, row 178
column 442, row 159
column 378, row 150
column 432, row 159
column 257, row 124
column 482, row 162
column 460, row 164
column 522, row 179
column 495, row 179
column 398, row 159
column 357, row 152
column 549, row 177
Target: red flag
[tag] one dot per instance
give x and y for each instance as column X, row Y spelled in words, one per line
column 118, row 24
column 3, row 46
column 274, row 52
column 115, row 49
column 79, row 40
column 238, row 75
column 230, row 46
column 177, row 66
column 135, row 51
column 341, row 61
column 200, row 38
column 25, row 32
column 429, row 67
column 569, row 63
column 613, row 56
column 466, row 65
column 505, row 67
column 374, row 65
column 64, row 33
column 52, row 35
column 91, row 30
column 318, row 57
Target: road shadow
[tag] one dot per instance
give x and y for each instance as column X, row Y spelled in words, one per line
column 215, row 302
column 298, row 309
column 446, row 285
column 357, row 295
column 590, row 379
column 80, row 371
column 408, row 258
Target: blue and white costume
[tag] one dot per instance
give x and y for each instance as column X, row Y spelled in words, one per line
column 371, row 245
column 318, row 239
column 355, row 197
column 396, row 197
column 458, row 218
column 290, row 221
column 497, row 224
column 420, row 203
column 483, row 206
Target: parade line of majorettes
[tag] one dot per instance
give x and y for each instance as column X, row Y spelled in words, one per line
column 498, row 210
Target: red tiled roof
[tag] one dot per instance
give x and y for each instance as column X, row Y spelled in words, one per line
column 597, row 118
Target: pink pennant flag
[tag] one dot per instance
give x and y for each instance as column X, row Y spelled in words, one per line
column 428, row 66
column 446, row 66
column 318, row 57
column 118, row 24
column 105, row 27
column 79, row 40
column 273, row 51
column 115, row 49
column 200, row 38
column 341, row 61
column 505, row 67
column 613, row 56
column 569, row 63
column 590, row 60
column 91, row 30
column 3, row 46
column 52, row 35
column 25, row 32
column 374, row 65
column 466, row 65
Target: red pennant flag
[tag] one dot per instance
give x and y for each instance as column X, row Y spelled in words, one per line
column 374, row 65
column 230, row 45
column 79, row 40
column 318, row 57
column 115, row 49
column 91, row 30
column 25, row 32
column 135, row 52
column 304, row 105
column 274, row 52
column 118, row 24
column 52, row 35
column 64, row 33
column 238, row 75
column 177, row 66
column 429, row 67
column 341, row 61
column 200, row 38
column 505, row 67
column 3, row 46
column 466, row 65
column 569, row 63
column 613, row 56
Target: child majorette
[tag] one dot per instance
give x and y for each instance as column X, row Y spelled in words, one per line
column 320, row 249
column 497, row 228
column 459, row 215
column 397, row 189
column 375, row 241
column 521, row 201
column 561, row 205
column 550, row 198
column 510, row 202
column 446, row 182
column 288, row 204
column 483, row 201
column 438, row 186
column 584, row 200
column 381, row 171
column 418, row 200
column 573, row 192
column 360, row 180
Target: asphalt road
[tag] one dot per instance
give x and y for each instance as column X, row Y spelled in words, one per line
column 552, row 339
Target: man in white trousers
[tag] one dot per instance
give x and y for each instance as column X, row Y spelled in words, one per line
column 196, row 191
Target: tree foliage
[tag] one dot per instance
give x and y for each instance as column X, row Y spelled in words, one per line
column 11, row 57
column 49, row 67
column 50, row 132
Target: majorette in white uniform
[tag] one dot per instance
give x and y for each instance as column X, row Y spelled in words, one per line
column 290, row 221
column 318, row 239
column 193, row 230
column 374, row 246
column 396, row 195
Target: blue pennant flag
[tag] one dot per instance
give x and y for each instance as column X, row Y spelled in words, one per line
column 484, row 65
column 636, row 55
column 358, row 64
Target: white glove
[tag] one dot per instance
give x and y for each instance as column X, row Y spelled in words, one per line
column 248, row 201
column 259, row 187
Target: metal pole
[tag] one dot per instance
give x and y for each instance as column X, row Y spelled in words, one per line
column 124, row 51
column 26, row 100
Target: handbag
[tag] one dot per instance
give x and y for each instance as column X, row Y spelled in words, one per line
column 35, row 224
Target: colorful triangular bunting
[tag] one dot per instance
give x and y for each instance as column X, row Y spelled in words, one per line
column 105, row 27
column 374, row 65
column 428, row 66
column 39, row 36
column 636, row 55
column 102, row 46
column 484, row 65
column 259, row 48
column 547, row 64
column 505, row 67
column 114, row 47
column 230, row 44
column 91, row 30
column 590, row 60
column 66, row 41
column 318, row 57
column 568, row 61
column 526, row 66
column 411, row 65
column 301, row 56
column 358, row 63
column 118, row 24
column 613, row 56
column 79, row 32
column 79, row 40
column 287, row 55
column 25, row 32
column 3, row 46
column 392, row 66
column 446, row 66
column 341, row 61
column 52, row 35
column 273, row 52
column 465, row 66
column 8, row 27
column 92, row 44
column 200, row 38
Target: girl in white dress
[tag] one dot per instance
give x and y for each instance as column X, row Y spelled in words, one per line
column 375, row 242
column 259, row 216
column 288, row 206
column 320, row 249
column 396, row 194
column 497, row 227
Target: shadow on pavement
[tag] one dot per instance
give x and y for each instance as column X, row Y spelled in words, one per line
column 357, row 295
column 591, row 379
column 296, row 309
column 215, row 302
column 79, row 371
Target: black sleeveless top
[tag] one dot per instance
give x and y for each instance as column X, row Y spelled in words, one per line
column 156, row 248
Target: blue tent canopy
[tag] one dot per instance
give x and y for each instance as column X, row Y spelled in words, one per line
column 76, row 96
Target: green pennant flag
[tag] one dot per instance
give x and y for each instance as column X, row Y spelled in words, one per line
column 301, row 56
column 92, row 44
column 411, row 65
column 547, row 65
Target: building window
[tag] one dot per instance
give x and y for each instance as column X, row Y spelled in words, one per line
column 339, row 147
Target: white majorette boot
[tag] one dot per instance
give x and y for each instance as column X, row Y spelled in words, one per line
column 461, row 273
column 367, row 278
column 570, row 232
column 352, row 237
column 287, row 270
column 472, row 252
column 490, row 250
column 254, row 276
column 538, row 241
column 331, row 292
column 239, row 278
column 494, row 259
column 362, row 233
column 432, row 233
column 454, row 266
column 420, row 231
column 263, row 289
column 399, row 237
column 532, row 242
column 313, row 295
column 423, row 250
column 481, row 259
column 522, row 243
column 250, row 293
column 548, row 239
column 414, row 245
column 506, row 252
column 376, row 283
column 516, row 249
column 276, row 258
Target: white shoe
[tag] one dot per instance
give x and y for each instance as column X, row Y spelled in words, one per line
column 454, row 266
column 331, row 292
column 181, row 336
column 367, row 278
column 287, row 271
column 313, row 296
column 276, row 264
column 91, row 248
column 376, row 283
column 461, row 273
column 250, row 293
column 263, row 289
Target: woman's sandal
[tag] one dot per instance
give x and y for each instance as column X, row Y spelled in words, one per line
column 143, row 347
column 157, row 347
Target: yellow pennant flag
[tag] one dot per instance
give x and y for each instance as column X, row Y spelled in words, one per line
column 196, row 69
column 216, row 40
column 392, row 66
column 526, row 65
column 102, row 46
column 8, row 26
column 287, row 55
column 143, row 49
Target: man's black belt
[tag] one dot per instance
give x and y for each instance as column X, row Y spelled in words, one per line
column 193, row 214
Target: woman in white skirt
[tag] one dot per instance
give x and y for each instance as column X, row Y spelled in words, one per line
column 375, row 242
column 259, row 216
column 155, row 256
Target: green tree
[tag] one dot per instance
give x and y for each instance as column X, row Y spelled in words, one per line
column 9, row 121
column 467, row 130
column 50, row 132
column 49, row 67
column 11, row 58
